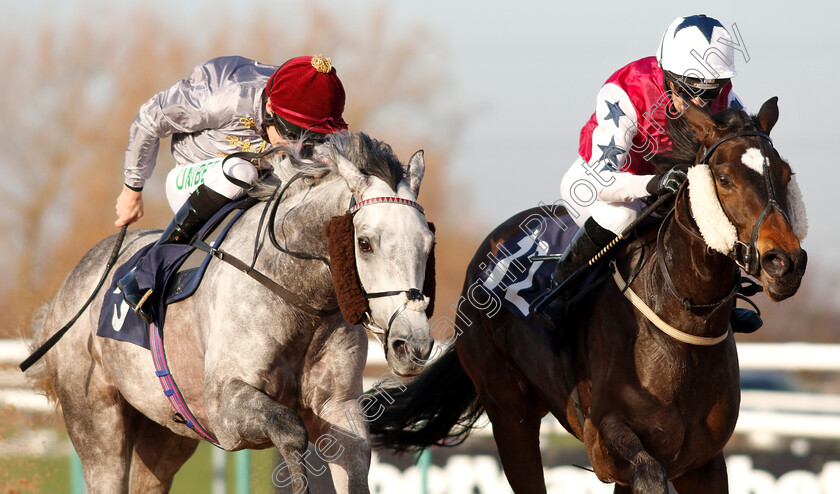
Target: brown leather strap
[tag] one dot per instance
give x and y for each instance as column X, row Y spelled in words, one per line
column 264, row 280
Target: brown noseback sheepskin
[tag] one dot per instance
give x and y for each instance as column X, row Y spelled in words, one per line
column 342, row 250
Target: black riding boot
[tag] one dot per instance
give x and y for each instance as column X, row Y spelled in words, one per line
column 202, row 204
column 588, row 242
column 745, row 320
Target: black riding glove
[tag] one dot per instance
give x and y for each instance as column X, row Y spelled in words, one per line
column 669, row 181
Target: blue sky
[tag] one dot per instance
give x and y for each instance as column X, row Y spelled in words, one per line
column 528, row 72
column 532, row 70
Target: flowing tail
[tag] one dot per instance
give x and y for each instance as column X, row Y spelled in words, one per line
column 438, row 408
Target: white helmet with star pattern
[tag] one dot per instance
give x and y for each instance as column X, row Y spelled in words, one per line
column 697, row 47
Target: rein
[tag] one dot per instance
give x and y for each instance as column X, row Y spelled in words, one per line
column 290, row 297
column 744, row 258
column 687, row 303
column 45, row 347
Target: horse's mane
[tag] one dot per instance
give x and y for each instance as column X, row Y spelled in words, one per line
column 684, row 141
column 371, row 156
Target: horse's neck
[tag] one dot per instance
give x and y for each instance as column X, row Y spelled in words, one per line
column 703, row 277
column 699, row 273
column 300, row 218
column 319, row 202
column 299, row 227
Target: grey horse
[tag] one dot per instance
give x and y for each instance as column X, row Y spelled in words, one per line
column 256, row 371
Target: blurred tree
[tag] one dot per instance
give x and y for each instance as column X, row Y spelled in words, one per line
column 68, row 104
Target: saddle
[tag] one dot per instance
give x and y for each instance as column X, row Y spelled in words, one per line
column 179, row 270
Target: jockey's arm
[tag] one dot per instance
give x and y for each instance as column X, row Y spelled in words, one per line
column 612, row 139
column 184, row 108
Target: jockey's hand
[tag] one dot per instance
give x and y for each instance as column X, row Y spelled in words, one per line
column 669, row 181
column 129, row 206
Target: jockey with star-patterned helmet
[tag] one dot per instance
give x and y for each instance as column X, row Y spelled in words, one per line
column 604, row 188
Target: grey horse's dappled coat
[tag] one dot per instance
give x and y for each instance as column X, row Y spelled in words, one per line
column 256, row 371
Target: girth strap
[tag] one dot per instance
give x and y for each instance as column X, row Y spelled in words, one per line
column 183, row 413
column 264, row 280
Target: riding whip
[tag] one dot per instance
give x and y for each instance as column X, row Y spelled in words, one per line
column 44, row 348
column 550, row 295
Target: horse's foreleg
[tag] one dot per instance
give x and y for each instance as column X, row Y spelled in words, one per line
column 246, row 416
column 624, row 446
column 336, row 416
column 343, row 442
column 711, row 478
column 158, row 454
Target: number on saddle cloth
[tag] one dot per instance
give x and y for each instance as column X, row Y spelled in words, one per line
column 510, row 279
column 162, row 270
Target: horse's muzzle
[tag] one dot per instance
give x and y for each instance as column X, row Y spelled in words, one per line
column 782, row 272
column 409, row 350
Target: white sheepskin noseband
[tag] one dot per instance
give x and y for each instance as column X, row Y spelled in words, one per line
column 718, row 232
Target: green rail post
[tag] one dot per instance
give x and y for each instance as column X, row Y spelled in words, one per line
column 243, row 471
column 77, row 478
column 424, row 461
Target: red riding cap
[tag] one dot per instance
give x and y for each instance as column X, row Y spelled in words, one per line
column 307, row 92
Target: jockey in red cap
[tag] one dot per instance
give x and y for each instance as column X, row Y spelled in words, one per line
column 606, row 187
column 226, row 105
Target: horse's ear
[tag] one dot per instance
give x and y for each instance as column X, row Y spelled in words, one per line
column 358, row 181
column 414, row 172
column 702, row 123
column 769, row 114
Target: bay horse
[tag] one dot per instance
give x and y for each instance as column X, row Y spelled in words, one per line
column 652, row 408
column 256, row 370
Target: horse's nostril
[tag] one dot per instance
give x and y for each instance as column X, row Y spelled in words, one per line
column 415, row 294
column 776, row 263
column 399, row 347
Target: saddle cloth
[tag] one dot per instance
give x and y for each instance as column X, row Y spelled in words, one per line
column 119, row 322
column 513, row 278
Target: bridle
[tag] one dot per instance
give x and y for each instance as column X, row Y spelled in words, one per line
column 412, row 294
column 745, row 255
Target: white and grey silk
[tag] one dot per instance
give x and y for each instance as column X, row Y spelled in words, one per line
column 214, row 112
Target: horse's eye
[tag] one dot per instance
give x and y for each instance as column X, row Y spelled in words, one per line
column 723, row 181
column 364, row 245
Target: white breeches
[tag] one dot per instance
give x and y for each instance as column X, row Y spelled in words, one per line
column 581, row 190
column 183, row 180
